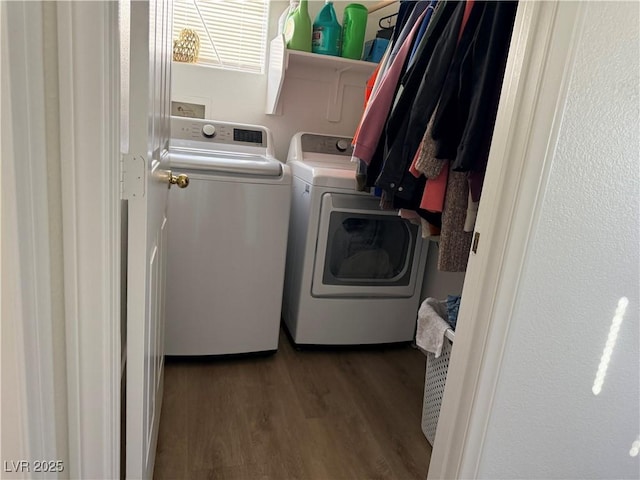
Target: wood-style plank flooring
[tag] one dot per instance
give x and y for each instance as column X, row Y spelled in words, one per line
column 347, row 414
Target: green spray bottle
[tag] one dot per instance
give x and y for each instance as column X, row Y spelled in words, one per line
column 297, row 28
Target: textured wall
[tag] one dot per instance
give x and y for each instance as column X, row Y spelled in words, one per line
column 546, row 421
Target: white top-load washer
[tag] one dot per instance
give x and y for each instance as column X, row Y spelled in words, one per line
column 354, row 272
column 227, row 236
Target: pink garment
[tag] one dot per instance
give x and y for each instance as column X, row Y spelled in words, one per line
column 436, row 187
column 367, row 95
column 435, row 190
column 379, row 105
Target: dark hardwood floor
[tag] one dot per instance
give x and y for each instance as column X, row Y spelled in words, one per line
column 347, row 414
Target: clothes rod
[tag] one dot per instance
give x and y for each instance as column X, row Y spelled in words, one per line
column 381, row 5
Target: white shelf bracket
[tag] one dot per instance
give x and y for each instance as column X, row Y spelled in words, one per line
column 334, row 107
column 275, row 78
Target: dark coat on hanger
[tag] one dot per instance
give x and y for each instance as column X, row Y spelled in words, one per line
column 408, row 120
column 410, row 83
column 463, row 125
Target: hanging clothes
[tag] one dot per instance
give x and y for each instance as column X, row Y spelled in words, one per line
column 375, row 80
column 464, row 130
column 439, row 18
column 414, row 20
column 425, row 162
column 406, row 7
column 412, row 77
column 423, row 28
column 435, row 108
column 379, row 104
column 409, row 119
column 435, row 170
column 463, row 126
column 368, row 89
column 455, row 243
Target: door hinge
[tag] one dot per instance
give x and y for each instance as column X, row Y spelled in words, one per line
column 476, row 240
column 132, row 177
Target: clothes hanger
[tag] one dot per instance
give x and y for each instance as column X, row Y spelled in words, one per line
column 388, row 20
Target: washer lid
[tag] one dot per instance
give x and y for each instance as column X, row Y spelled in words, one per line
column 211, row 161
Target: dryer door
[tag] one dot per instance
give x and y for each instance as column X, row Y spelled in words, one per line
column 363, row 251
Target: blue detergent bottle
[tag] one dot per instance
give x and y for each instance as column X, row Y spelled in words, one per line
column 327, row 32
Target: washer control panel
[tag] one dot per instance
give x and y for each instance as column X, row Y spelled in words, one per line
column 327, row 144
column 215, row 132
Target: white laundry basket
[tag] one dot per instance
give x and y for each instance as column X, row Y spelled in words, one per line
column 434, row 382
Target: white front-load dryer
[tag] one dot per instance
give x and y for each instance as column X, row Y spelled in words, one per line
column 354, row 272
column 227, row 236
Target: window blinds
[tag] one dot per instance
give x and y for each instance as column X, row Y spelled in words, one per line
column 238, row 29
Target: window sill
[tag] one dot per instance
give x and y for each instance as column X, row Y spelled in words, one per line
column 218, row 67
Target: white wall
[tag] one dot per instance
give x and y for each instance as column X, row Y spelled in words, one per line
column 439, row 284
column 545, row 421
column 240, row 97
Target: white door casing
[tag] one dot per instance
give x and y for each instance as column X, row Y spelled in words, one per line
column 89, row 154
column 32, row 269
column 147, row 158
column 13, row 413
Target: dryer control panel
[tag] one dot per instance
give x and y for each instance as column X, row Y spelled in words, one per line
column 210, row 131
column 328, row 144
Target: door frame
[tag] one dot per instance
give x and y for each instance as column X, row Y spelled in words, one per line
column 30, row 407
column 63, row 71
column 89, row 84
column 88, row 60
column 529, row 118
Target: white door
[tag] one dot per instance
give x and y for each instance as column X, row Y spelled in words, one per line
column 146, row 179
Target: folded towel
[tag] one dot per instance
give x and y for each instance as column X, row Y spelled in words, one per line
column 432, row 325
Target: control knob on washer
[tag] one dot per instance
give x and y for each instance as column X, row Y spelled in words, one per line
column 342, row 145
column 209, row 131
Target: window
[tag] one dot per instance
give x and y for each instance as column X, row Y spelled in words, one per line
column 233, row 33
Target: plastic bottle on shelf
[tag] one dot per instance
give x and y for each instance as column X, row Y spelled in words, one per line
column 297, row 29
column 355, row 27
column 327, row 32
column 293, row 4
